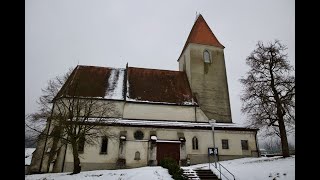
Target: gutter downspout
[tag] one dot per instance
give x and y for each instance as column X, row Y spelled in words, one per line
column 45, row 144
column 148, row 152
column 195, row 113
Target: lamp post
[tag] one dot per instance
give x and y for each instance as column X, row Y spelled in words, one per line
column 212, row 122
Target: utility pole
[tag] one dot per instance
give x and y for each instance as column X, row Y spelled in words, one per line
column 212, row 122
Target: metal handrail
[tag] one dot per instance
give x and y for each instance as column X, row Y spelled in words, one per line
column 222, row 173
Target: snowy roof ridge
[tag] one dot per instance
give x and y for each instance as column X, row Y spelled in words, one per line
column 187, row 124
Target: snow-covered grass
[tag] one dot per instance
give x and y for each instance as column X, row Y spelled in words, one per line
column 263, row 168
column 156, row 172
column 28, row 155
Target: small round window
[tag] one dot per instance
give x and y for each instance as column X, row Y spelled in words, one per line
column 138, row 135
column 206, row 56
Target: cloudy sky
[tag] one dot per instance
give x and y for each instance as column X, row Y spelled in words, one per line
column 59, row 34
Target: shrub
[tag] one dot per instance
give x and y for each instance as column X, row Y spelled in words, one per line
column 174, row 169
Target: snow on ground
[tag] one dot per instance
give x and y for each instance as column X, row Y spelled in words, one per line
column 28, row 155
column 262, row 168
column 156, row 172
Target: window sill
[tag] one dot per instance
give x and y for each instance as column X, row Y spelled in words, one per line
column 103, row 153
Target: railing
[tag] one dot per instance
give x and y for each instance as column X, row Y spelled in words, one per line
column 220, row 165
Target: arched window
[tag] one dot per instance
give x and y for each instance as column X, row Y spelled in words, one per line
column 194, row 143
column 104, row 145
column 137, row 156
column 206, row 56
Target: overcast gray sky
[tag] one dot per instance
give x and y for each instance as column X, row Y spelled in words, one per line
column 60, row 34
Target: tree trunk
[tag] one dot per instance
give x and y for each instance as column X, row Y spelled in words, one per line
column 76, row 160
column 280, row 114
column 284, row 140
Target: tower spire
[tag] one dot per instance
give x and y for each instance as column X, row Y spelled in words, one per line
column 201, row 34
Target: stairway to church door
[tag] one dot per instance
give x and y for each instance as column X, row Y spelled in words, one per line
column 168, row 150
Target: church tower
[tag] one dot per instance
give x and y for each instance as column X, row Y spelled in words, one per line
column 202, row 58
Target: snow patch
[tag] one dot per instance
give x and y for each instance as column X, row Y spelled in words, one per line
column 115, row 84
column 164, row 123
column 155, row 172
column 28, row 155
column 154, row 138
column 262, row 168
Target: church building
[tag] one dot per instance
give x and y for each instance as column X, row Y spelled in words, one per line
column 156, row 113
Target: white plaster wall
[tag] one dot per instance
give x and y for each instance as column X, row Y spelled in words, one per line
column 234, row 138
column 91, row 153
column 132, row 147
column 201, row 117
column 104, row 108
column 158, row 112
column 186, row 55
column 205, row 139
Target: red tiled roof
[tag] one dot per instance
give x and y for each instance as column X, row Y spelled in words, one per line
column 158, row 86
column 88, row 81
column 144, row 85
column 201, row 34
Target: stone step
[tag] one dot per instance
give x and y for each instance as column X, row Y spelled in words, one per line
column 200, row 174
column 206, row 174
column 203, row 170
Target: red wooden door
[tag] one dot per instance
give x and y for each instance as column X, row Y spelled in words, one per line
column 168, row 150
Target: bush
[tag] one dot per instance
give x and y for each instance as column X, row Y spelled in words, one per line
column 174, row 169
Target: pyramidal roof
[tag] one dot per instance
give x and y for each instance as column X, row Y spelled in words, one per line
column 201, row 34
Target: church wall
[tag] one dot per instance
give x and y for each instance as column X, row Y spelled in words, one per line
column 158, row 112
column 133, row 146
column 91, row 159
column 185, row 58
column 234, row 139
column 37, row 154
column 201, row 117
column 209, row 81
column 105, row 108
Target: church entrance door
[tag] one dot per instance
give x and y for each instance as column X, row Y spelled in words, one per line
column 167, row 149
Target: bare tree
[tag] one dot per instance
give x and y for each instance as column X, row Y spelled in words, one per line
column 269, row 94
column 35, row 122
column 70, row 119
column 78, row 121
column 272, row 145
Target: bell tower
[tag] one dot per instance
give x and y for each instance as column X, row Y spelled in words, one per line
column 202, row 58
